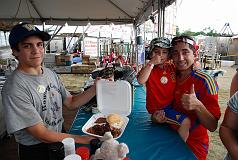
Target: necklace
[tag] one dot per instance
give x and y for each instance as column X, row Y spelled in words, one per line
column 164, row 79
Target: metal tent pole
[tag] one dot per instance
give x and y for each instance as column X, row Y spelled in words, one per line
column 161, row 18
column 71, row 49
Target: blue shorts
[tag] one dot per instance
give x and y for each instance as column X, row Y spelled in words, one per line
column 174, row 117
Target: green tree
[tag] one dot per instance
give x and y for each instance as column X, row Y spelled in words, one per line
column 208, row 31
column 177, row 31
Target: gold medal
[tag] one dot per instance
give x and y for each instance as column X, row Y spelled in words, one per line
column 164, row 80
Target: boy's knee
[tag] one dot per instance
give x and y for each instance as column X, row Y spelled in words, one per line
column 186, row 122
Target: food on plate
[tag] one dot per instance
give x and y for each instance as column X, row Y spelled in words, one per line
column 101, row 120
column 112, row 123
column 100, row 130
column 115, row 120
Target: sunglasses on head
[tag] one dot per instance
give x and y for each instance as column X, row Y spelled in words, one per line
column 185, row 40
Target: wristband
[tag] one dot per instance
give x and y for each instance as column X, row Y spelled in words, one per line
column 151, row 65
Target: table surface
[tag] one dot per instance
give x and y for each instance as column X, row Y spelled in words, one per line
column 146, row 140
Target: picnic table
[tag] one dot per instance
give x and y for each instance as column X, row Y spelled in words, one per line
column 146, row 140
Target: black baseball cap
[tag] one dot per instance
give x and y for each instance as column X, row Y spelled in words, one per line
column 24, row 30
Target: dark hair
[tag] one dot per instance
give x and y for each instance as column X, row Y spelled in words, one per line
column 186, row 39
column 16, row 48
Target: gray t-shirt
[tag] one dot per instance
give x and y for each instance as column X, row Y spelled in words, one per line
column 233, row 105
column 31, row 99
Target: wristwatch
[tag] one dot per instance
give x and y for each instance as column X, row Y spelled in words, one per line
column 151, row 65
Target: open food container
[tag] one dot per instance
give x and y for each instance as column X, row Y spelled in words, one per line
column 112, row 98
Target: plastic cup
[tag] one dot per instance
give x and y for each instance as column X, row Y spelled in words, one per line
column 69, row 146
column 95, row 110
column 73, row 157
column 83, row 152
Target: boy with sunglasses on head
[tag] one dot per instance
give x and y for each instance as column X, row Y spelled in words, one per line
column 196, row 95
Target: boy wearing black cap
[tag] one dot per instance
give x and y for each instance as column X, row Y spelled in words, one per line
column 196, row 95
column 33, row 96
column 160, row 79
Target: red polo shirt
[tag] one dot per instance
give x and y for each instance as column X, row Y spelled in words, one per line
column 206, row 90
column 160, row 87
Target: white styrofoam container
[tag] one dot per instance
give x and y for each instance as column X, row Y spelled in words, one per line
column 112, row 97
column 91, row 122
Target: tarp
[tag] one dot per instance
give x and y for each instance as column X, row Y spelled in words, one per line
column 78, row 12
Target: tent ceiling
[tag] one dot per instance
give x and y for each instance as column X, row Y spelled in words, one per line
column 78, row 12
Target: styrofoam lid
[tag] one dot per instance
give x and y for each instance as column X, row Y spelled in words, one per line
column 114, row 97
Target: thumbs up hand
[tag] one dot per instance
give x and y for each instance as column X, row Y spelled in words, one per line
column 192, row 91
column 189, row 100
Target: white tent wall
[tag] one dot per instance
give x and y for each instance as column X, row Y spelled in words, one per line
column 82, row 12
column 79, row 12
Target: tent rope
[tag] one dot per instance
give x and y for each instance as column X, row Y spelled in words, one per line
column 19, row 4
column 28, row 9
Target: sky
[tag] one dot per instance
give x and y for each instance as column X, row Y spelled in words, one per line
column 195, row 15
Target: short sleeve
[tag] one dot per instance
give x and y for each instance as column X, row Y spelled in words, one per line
column 18, row 108
column 233, row 103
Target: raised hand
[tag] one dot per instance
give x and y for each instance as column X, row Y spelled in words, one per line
column 156, row 60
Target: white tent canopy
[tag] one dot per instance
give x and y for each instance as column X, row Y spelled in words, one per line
column 79, row 12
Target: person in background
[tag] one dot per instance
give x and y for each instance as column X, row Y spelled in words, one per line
column 105, row 60
column 112, row 56
column 196, row 95
column 160, row 79
column 33, row 97
column 229, row 128
column 120, row 61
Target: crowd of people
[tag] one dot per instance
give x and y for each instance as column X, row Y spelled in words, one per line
column 178, row 93
column 113, row 59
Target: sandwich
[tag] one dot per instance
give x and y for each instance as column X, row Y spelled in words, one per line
column 115, row 121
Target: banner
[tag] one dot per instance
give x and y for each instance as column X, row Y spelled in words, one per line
column 140, row 50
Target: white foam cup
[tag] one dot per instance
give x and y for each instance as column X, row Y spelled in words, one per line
column 73, row 157
column 69, row 146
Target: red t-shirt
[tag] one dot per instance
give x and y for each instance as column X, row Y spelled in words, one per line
column 160, row 87
column 206, row 90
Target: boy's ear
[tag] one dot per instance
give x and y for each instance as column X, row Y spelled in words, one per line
column 196, row 54
column 15, row 52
